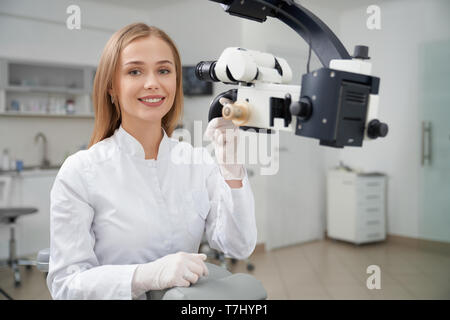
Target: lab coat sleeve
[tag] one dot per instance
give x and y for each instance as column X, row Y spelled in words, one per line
column 230, row 224
column 74, row 270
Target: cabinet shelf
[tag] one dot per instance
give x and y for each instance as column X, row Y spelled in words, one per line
column 44, row 89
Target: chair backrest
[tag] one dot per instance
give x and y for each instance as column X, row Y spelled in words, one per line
column 5, row 190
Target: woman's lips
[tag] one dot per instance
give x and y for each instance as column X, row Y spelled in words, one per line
column 152, row 104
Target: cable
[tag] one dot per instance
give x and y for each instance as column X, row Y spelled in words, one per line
column 309, row 58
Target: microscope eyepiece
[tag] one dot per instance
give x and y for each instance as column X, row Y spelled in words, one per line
column 205, row 71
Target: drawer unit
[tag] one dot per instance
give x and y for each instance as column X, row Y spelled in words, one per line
column 370, row 211
column 356, row 206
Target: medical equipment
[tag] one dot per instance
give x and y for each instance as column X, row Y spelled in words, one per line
column 336, row 104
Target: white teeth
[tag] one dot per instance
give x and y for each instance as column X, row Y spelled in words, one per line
column 151, row 100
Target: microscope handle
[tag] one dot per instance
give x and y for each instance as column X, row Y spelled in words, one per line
column 238, row 112
column 215, row 110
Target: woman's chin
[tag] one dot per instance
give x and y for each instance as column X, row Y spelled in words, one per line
column 149, row 114
column 154, row 117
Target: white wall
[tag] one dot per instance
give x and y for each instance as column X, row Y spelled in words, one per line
column 394, row 50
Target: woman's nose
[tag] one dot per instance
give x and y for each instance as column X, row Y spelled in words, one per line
column 151, row 82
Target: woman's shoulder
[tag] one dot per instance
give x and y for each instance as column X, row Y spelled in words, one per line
column 83, row 160
column 75, row 163
column 101, row 151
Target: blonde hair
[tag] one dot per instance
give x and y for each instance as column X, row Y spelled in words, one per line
column 107, row 115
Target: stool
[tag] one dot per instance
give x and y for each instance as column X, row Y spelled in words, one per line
column 9, row 216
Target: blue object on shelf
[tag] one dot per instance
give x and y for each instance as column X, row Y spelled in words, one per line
column 19, row 165
column 15, row 105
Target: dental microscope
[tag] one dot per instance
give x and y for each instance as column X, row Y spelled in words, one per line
column 336, row 104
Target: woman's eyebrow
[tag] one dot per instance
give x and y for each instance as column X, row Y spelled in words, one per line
column 164, row 61
column 142, row 62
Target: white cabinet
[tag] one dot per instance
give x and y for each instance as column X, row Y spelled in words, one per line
column 356, row 206
column 29, row 88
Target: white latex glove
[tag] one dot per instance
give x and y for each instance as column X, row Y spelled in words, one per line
column 225, row 147
column 174, row 270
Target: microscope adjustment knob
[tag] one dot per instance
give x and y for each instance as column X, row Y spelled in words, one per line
column 238, row 112
column 377, row 129
column 301, row 108
column 361, row 52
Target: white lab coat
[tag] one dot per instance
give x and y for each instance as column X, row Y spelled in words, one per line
column 112, row 209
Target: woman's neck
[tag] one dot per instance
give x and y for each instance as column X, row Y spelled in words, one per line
column 148, row 134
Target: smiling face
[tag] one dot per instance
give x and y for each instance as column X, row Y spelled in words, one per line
column 145, row 80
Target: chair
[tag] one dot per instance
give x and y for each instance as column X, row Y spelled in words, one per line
column 9, row 215
column 219, row 285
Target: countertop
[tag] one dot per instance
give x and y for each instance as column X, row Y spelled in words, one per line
column 34, row 171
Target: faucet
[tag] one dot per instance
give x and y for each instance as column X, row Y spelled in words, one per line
column 45, row 163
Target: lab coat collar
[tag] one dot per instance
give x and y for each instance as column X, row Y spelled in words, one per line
column 132, row 146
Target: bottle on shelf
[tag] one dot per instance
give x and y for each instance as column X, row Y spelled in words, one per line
column 5, row 160
column 70, row 106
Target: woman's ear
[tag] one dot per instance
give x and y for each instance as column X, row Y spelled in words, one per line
column 111, row 95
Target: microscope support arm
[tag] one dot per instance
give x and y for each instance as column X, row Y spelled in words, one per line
column 314, row 31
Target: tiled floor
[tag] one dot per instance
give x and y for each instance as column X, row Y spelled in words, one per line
column 318, row 270
column 337, row 270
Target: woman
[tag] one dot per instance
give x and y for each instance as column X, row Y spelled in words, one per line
column 125, row 217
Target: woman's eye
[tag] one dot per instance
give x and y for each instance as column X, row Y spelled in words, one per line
column 164, row 71
column 134, row 72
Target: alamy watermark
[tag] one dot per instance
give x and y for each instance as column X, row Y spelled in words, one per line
column 373, row 22
column 241, row 148
column 374, row 280
column 73, row 21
